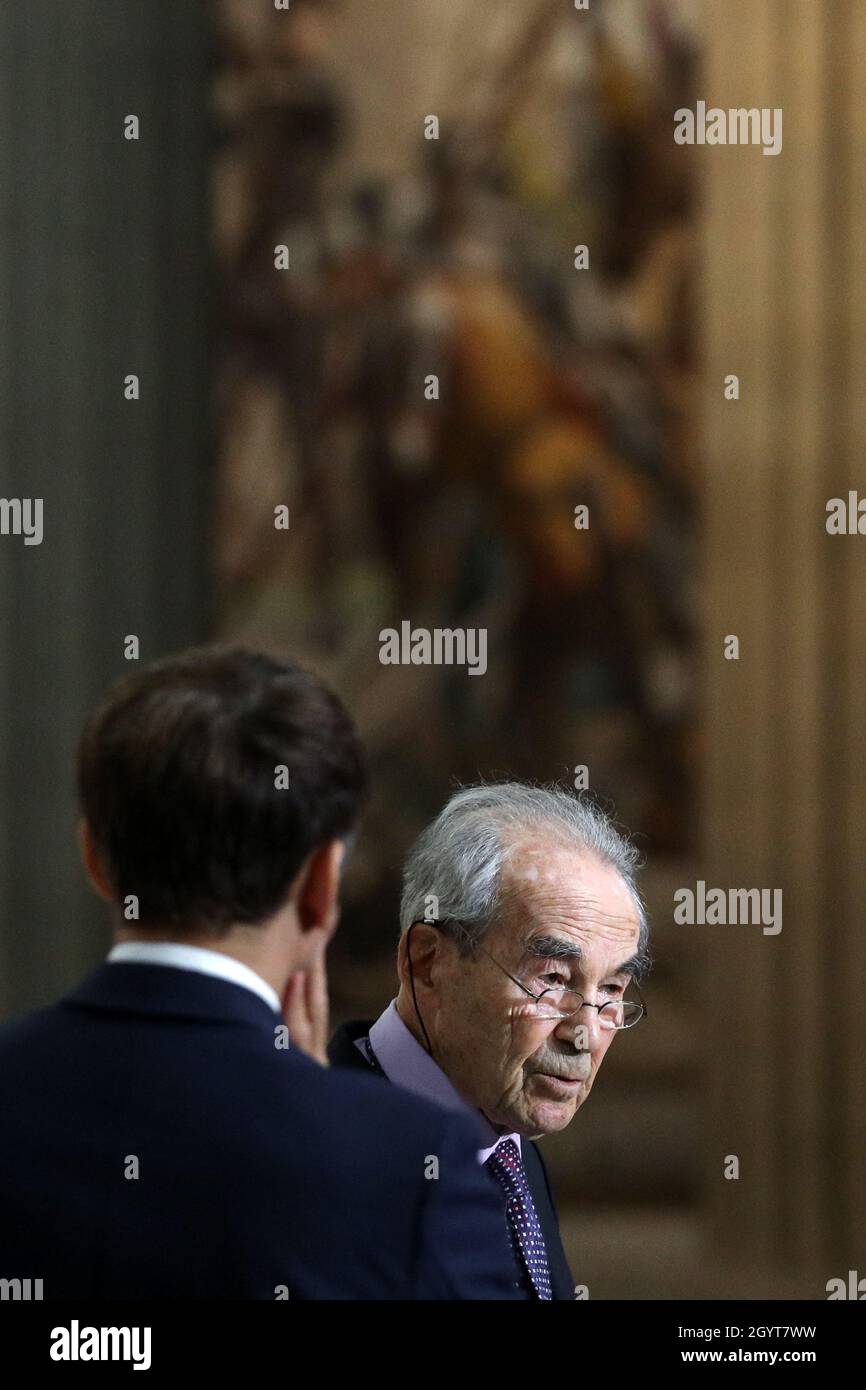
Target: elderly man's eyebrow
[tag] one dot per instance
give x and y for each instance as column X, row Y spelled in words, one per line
column 547, row 947
column 552, row 947
column 632, row 966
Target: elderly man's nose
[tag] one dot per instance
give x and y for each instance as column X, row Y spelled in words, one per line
column 580, row 1029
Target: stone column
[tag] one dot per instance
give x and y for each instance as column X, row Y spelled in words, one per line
column 784, row 307
column 103, row 268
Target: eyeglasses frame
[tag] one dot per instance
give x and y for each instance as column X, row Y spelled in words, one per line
column 476, row 945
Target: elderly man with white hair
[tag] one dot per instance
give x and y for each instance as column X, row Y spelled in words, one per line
column 523, row 940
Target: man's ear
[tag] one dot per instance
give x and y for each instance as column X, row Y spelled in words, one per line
column 426, row 944
column 317, row 895
column 91, row 862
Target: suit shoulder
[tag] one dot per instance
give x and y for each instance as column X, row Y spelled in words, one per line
column 360, row 1097
column 18, row 1032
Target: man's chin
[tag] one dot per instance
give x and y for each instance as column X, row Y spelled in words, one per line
column 551, row 1103
column 544, row 1106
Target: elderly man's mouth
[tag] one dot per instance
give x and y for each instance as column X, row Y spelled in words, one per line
column 565, row 1085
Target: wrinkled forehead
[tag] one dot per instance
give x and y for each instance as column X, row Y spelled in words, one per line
column 552, row 888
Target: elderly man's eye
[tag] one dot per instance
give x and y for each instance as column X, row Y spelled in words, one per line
column 553, row 979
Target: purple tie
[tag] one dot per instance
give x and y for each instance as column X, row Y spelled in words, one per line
column 524, row 1229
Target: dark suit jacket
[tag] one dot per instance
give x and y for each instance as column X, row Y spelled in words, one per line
column 257, row 1168
column 343, row 1052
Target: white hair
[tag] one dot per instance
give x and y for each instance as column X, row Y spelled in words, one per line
column 453, row 872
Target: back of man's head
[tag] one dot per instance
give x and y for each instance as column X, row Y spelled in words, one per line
column 206, row 780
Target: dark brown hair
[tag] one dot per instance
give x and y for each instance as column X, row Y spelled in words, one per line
column 177, row 779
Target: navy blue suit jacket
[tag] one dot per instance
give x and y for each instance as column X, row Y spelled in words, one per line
column 258, row 1170
column 343, row 1053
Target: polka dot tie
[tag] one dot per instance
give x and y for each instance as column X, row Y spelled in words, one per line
column 524, row 1229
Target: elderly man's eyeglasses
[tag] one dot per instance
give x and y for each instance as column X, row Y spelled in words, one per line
column 558, row 1002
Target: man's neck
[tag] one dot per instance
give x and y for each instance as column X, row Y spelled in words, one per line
column 409, row 1016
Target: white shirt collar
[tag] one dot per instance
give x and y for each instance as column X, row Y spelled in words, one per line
column 197, row 958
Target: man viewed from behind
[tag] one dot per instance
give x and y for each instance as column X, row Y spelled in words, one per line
column 163, row 1137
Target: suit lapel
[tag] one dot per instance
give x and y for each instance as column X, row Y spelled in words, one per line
column 561, row 1281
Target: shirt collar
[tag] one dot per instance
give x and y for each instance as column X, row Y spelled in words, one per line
column 405, row 1062
column 198, row 958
